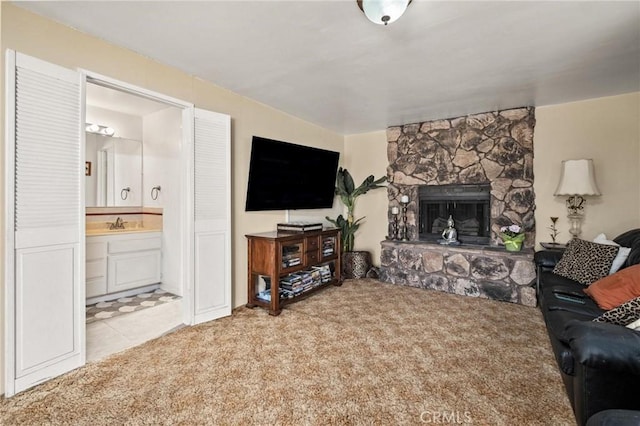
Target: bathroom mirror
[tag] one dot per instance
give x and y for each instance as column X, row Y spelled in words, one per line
column 113, row 171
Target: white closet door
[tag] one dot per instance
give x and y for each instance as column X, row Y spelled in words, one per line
column 45, row 222
column 212, row 216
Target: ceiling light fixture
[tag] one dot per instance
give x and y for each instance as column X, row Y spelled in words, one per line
column 383, row 12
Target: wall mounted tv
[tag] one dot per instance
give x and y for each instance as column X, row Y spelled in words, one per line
column 286, row 176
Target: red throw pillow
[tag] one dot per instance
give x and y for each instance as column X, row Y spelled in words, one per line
column 613, row 290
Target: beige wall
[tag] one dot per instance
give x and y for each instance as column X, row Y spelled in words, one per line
column 30, row 34
column 366, row 154
column 606, row 130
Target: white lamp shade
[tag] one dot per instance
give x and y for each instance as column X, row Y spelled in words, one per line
column 376, row 10
column 577, row 178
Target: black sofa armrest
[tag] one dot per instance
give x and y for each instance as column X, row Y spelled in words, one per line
column 547, row 259
column 604, row 346
column 615, row 418
column 606, row 367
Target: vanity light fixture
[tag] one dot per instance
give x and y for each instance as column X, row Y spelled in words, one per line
column 100, row 130
column 383, row 12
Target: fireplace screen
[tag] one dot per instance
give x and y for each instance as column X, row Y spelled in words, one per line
column 469, row 205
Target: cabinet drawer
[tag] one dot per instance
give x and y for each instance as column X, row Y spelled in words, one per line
column 96, row 287
column 312, row 243
column 96, row 250
column 135, row 245
column 312, row 257
column 96, row 268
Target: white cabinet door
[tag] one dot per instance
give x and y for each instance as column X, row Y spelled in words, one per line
column 44, row 224
column 131, row 270
column 212, row 216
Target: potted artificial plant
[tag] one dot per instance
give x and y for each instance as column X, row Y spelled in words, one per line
column 355, row 264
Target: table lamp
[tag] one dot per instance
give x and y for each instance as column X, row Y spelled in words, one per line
column 577, row 179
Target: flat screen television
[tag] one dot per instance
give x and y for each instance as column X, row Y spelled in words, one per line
column 286, row 176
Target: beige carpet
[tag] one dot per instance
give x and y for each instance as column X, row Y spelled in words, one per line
column 363, row 353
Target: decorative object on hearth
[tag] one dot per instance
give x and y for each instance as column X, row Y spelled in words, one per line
column 383, row 12
column 404, row 200
column 554, row 230
column 394, row 225
column 450, row 234
column 348, row 193
column 512, row 237
column 577, row 179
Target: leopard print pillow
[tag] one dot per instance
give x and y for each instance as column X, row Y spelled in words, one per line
column 586, row 262
column 624, row 314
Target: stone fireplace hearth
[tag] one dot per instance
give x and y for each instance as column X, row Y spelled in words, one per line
column 493, row 149
column 468, row 271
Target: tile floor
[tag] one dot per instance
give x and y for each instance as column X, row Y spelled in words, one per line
column 116, row 334
column 126, row 305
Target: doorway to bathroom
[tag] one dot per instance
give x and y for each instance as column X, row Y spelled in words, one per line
column 132, row 176
column 45, row 224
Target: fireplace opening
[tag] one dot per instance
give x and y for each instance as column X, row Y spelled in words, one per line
column 469, row 205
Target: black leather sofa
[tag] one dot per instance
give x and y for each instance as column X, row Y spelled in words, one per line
column 599, row 362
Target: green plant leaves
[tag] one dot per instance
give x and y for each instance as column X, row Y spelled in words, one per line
column 348, row 182
column 346, row 190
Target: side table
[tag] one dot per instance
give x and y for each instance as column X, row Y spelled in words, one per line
column 553, row 246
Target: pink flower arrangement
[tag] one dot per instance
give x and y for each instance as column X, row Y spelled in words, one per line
column 512, row 236
column 511, row 230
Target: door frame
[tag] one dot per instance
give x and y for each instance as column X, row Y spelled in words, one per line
column 8, row 226
column 186, row 176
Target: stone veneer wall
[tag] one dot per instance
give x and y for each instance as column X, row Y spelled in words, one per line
column 490, row 273
column 493, row 147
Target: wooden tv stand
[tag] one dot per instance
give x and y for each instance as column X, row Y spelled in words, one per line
column 285, row 267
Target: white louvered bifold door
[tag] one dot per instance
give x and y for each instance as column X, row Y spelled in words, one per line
column 45, row 161
column 212, row 216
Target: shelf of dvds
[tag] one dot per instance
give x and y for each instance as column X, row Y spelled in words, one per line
column 285, row 267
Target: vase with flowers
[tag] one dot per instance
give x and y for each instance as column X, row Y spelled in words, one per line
column 512, row 237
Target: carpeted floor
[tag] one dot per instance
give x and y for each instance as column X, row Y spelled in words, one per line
column 363, row 353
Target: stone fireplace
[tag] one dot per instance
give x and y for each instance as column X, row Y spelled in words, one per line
column 479, row 169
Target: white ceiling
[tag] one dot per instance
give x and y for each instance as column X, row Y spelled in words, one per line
column 324, row 62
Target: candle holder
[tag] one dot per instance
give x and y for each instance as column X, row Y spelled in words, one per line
column 404, row 200
column 394, row 227
column 393, row 235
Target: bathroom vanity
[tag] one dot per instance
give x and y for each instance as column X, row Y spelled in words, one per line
column 122, row 260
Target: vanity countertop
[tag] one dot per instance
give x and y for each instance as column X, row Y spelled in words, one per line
column 103, row 231
column 130, row 227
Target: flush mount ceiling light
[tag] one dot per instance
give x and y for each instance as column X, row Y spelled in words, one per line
column 383, row 12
